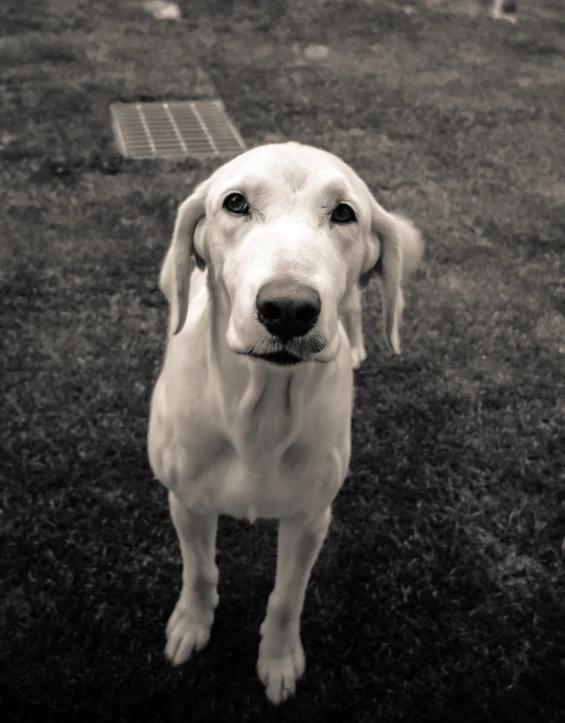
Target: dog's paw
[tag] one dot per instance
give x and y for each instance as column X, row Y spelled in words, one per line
column 188, row 630
column 280, row 673
column 358, row 356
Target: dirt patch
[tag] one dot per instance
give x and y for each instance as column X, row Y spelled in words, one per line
column 471, row 8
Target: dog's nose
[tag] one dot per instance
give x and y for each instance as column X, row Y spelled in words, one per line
column 287, row 310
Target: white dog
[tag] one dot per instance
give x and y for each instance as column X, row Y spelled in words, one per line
column 251, row 413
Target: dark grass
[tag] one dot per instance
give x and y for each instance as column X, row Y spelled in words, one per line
column 440, row 593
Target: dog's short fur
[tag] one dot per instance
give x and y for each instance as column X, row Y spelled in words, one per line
column 253, row 422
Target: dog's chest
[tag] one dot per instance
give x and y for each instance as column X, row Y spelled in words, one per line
column 274, row 483
column 264, row 454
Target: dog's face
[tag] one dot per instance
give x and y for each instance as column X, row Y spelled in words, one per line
column 285, row 231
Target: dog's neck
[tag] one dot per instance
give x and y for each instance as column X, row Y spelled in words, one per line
column 249, row 389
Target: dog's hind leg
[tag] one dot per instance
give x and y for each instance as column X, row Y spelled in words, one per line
column 189, row 626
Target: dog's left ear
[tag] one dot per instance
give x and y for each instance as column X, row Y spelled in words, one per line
column 396, row 250
column 176, row 271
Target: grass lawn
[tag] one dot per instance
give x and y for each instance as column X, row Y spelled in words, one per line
column 440, row 592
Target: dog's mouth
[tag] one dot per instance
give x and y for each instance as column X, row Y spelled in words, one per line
column 286, row 353
column 281, row 357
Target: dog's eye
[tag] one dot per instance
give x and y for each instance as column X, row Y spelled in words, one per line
column 236, row 203
column 343, row 213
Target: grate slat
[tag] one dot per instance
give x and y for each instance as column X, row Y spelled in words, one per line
column 175, row 129
column 145, row 126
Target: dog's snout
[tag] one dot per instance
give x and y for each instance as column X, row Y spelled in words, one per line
column 286, row 310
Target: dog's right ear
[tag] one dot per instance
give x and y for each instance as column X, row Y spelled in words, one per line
column 175, row 273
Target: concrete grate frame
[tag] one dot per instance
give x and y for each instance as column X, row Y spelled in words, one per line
column 175, row 129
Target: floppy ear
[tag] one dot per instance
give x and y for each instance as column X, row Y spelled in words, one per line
column 175, row 274
column 398, row 247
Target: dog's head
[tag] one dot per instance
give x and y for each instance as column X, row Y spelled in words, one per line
column 285, row 231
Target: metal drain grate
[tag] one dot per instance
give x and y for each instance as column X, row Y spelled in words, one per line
column 174, row 130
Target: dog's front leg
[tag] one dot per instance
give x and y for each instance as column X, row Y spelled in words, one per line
column 189, row 626
column 281, row 656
